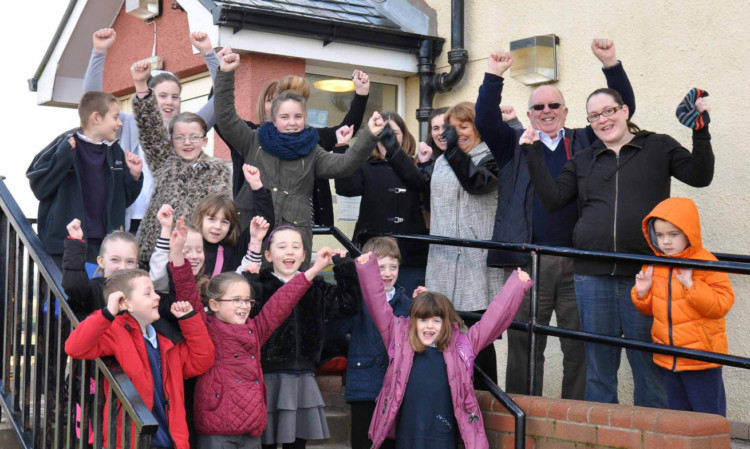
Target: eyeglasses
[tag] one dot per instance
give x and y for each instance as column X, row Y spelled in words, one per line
column 540, row 107
column 181, row 139
column 591, row 118
column 237, row 302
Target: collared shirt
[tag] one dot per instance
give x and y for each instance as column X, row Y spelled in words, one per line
column 282, row 279
column 389, row 296
column 86, row 139
column 150, row 336
column 549, row 142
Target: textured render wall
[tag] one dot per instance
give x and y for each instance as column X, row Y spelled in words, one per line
column 666, row 48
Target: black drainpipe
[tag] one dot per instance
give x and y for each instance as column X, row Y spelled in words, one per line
column 431, row 83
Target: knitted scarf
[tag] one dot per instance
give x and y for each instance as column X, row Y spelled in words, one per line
column 289, row 146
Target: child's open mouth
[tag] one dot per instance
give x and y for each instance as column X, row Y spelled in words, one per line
column 288, row 262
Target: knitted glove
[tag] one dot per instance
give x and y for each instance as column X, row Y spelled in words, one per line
column 389, row 141
column 688, row 114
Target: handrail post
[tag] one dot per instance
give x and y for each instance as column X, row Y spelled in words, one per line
column 532, row 349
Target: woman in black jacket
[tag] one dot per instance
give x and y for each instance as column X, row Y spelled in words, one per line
column 390, row 184
column 617, row 181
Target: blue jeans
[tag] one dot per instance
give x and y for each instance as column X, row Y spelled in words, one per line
column 606, row 308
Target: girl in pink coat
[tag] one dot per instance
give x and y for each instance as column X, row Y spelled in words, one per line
column 428, row 398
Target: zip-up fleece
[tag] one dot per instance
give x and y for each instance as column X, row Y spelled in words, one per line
column 459, row 356
column 230, row 399
column 101, row 334
column 615, row 191
column 692, row 318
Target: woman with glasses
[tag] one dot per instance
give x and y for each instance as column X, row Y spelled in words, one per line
column 183, row 173
column 617, row 181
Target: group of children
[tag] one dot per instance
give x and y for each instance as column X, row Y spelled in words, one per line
column 230, row 305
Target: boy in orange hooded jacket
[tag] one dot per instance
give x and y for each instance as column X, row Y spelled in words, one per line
column 688, row 307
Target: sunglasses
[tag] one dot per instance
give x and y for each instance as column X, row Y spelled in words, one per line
column 540, row 107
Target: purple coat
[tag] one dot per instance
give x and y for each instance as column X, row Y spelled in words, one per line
column 459, row 356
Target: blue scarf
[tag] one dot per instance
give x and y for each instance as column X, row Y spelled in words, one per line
column 289, row 146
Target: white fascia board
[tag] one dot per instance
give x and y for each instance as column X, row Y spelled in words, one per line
column 61, row 82
column 200, row 19
column 371, row 59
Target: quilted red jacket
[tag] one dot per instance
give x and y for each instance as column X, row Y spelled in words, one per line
column 230, row 399
column 101, row 334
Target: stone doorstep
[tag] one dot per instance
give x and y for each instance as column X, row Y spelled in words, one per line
column 740, row 430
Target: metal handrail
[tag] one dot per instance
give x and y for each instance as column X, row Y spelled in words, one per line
column 730, row 263
column 36, row 320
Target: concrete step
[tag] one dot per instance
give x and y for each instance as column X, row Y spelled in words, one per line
column 329, row 446
column 8, row 438
column 339, row 426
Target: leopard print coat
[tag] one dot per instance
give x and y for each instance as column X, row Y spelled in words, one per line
column 177, row 182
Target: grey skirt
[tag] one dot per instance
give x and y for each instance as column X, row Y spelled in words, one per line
column 295, row 408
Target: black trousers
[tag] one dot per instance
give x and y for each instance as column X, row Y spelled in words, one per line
column 362, row 412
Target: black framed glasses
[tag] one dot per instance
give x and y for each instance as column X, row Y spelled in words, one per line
column 591, row 118
column 239, row 302
column 181, row 139
column 540, row 107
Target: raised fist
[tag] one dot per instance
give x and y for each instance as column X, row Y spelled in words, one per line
column 104, row 39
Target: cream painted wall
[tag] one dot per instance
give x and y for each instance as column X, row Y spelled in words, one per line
column 666, row 48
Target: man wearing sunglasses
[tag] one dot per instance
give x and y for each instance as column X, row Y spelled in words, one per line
column 521, row 217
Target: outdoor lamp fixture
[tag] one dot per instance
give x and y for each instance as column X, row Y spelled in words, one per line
column 334, row 85
column 535, row 59
column 142, row 9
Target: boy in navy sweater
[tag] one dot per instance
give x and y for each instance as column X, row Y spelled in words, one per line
column 85, row 174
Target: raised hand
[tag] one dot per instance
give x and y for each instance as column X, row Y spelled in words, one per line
column 604, row 50
column 322, row 259
column 523, row 276
column 450, row 135
column 181, row 308
column 252, row 176
column 340, row 252
column 375, row 124
column 498, row 62
column 104, row 39
column 113, row 302
column 224, row 51
column 258, row 228
column 230, row 61
column 140, row 70
column 508, row 112
column 685, row 276
column 134, row 163
column 361, row 82
column 364, row 258
column 424, row 154
column 74, row 229
column 389, row 141
column 529, row 136
column 177, row 243
column 344, row 134
column 165, row 216
column 701, row 104
column 252, row 268
column 643, row 281
column 418, row 291
column 200, row 40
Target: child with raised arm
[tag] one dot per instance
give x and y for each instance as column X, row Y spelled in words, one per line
column 155, row 362
column 230, row 400
column 295, row 404
column 183, row 173
column 688, row 307
column 167, row 90
column 85, row 175
column 286, row 151
column 428, row 398
column 119, row 251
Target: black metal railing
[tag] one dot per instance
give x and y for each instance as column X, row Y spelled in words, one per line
column 730, row 263
column 41, row 388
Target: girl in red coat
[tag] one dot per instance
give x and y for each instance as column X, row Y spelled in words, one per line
column 230, row 399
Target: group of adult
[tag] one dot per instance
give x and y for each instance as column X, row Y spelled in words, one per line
column 481, row 176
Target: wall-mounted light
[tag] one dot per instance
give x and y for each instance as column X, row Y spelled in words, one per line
column 535, row 59
column 142, row 9
column 334, row 85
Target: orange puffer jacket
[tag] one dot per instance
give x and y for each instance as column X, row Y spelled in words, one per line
column 691, row 318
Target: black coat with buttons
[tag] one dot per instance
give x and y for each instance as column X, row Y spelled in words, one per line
column 391, row 196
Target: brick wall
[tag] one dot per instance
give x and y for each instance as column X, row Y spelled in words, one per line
column 563, row 424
